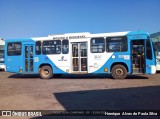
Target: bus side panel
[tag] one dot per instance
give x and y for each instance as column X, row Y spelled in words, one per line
column 150, row 67
column 47, row 60
column 116, row 58
column 14, row 64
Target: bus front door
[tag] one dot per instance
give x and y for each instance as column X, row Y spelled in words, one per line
column 138, row 58
column 28, row 58
column 79, row 57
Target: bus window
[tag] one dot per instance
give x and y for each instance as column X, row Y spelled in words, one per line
column 97, row 45
column 65, row 47
column 14, row 49
column 116, row 44
column 38, row 48
column 31, row 51
column 149, row 50
column 51, row 47
column 26, row 52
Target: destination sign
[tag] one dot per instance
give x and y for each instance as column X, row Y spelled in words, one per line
column 69, row 37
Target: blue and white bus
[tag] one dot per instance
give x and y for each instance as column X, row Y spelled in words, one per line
column 117, row 53
column 2, row 43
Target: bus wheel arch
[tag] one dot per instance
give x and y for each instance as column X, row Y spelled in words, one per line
column 119, row 70
column 45, row 71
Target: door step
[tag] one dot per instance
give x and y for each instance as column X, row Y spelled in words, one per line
column 138, row 70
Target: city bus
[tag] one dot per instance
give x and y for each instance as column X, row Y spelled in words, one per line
column 156, row 43
column 116, row 53
column 2, row 43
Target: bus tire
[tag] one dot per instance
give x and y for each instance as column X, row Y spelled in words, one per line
column 46, row 72
column 119, row 71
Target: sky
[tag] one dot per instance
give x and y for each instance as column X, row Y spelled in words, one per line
column 39, row 18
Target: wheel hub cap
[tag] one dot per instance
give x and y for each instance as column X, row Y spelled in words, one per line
column 119, row 72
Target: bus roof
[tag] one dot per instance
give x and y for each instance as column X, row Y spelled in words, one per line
column 80, row 35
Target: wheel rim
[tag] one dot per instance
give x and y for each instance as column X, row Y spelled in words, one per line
column 119, row 72
column 45, row 72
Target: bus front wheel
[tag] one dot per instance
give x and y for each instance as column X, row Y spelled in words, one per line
column 46, row 72
column 119, row 72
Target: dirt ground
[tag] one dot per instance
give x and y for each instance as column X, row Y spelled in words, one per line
column 77, row 92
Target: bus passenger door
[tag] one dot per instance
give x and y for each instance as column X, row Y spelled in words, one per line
column 28, row 58
column 79, row 57
column 138, row 57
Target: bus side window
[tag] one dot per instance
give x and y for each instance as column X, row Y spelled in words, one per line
column 149, row 49
column 10, row 49
column 57, row 46
column 116, row 44
column 97, row 45
column 65, row 47
column 51, row 47
column 14, row 49
column 38, row 48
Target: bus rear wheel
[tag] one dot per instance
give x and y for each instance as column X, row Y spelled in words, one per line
column 119, row 72
column 46, row 72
